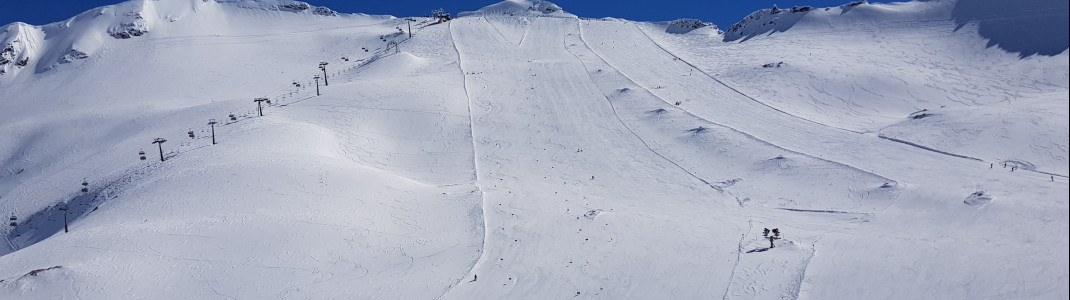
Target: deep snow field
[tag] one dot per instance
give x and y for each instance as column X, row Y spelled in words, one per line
column 903, row 150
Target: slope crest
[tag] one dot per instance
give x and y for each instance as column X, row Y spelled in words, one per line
column 521, row 8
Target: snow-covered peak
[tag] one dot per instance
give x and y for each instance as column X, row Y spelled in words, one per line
column 44, row 47
column 773, row 20
column 766, row 20
column 682, row 26
column 18, row 42
column 286, row 6
column 521, row 8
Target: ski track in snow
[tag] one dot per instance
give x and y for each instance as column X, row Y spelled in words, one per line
column 650, row 92
column 515, row 215
column 834, row 134
column 615, row 114
column 676, row 57
column 475, row 164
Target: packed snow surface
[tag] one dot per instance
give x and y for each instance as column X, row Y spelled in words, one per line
column 905, row 150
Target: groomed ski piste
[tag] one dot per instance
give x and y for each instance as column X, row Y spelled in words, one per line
column 903, row 150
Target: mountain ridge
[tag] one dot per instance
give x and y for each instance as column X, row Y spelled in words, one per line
column 20, row 42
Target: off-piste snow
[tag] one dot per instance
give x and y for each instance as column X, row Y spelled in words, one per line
column 909, row 150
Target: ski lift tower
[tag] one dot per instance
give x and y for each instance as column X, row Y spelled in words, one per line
column 212, row 122
column 317, row 78
column 160, row 142
column 393, row 44
column 409, row 21
column 65, row 208
column 323, row 67
column 259, row 105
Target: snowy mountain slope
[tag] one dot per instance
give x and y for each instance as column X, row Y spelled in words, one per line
column 876, row 84
column 318, row 224
column 519, row 153
column 178, row 76
column 718, row 103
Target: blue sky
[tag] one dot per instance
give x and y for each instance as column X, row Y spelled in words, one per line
column 724, row 13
